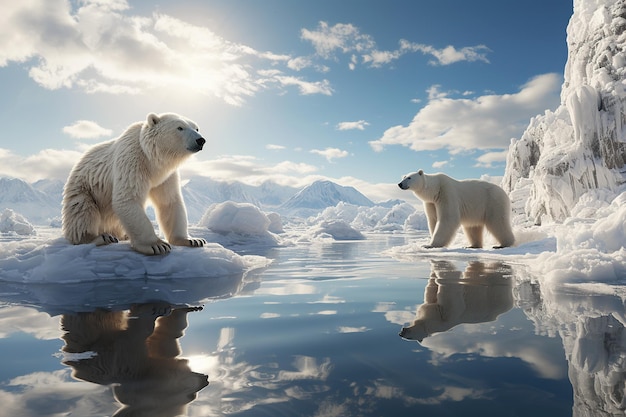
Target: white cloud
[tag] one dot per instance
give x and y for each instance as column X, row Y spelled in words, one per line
column 440, row 164
column 340, row 37
column 100, row 46
column 299, row 63
column 251, row 170
column 434, row 93
column 306, row 87
column 86, row 129
column 487, row 122
column 273, row 147
column 449, row 54
column 330, row 153
column 489, row 159
column 46, row 164
column 358, row 125
column 347, row 39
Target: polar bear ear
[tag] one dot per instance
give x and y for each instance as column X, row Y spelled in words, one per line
column 152, row 119
column 420, row 172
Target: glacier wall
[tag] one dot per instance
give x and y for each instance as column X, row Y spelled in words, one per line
column 581, row 145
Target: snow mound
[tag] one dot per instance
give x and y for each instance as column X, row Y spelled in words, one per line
column 238, row 223
column 337, row 230
column 15, row 224
column 57, row 261
column 371, row 219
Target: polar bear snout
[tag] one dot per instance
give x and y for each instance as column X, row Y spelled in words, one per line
column 197, row 147
column 402, row 185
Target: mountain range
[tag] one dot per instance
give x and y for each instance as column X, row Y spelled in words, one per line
column 40, row 202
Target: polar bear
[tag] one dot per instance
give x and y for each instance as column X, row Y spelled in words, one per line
column 478, row 295
column 138, row 353
column 105, row 195
column 473, row 204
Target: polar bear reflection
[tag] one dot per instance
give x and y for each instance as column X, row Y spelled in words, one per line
column 478, row 295
column 139, row 358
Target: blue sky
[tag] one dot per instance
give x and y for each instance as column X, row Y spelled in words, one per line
column 357, row 91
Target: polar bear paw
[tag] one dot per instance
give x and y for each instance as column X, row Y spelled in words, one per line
column 195, row 242
column 104, row 239
column 159, row 247
column 192, row 242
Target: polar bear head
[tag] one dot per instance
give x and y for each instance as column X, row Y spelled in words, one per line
column 170, row 134
column 414, row 181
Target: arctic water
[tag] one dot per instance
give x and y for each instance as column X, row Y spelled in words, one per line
column 327, row 329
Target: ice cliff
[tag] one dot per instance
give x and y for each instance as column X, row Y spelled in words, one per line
column 581, row 145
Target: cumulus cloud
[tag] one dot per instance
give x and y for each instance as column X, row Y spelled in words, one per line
column 86, row 129
column 347, row 39
column 330, row 153
column 486, row 122
column 358, row 125
column 101, row 47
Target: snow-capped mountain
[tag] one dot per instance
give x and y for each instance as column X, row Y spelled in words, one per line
column 319, row 195
column 41, row 201
column 580, row 146
column 200, row 192
column 23, row 198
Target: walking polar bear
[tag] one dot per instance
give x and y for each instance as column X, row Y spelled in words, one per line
column 473, row 204
column 105, row 195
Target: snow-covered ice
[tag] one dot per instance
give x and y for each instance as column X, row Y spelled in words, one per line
column 15, row 223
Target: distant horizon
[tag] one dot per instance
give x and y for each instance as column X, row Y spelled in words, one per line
column 288, row 91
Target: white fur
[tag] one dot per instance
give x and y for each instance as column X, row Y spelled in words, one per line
column 105, row 195
column 473, row 204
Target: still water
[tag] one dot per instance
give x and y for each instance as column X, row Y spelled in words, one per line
column 329, row 329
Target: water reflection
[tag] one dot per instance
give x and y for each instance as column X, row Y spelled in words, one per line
column 135, row 351
column 592, row 327
column 477, row 295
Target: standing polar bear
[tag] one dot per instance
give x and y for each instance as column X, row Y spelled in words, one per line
column 105, row 195
column 473, row 204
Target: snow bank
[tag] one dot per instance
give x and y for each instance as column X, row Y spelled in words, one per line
column 34, row 261
column 12, row 223
column 588, row 248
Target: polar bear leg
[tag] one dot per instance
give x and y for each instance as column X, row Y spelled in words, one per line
column 82, row 221
column 501, row 230
column 474, row 236
column 431, row 215
column 171, row 213
column 444, row 232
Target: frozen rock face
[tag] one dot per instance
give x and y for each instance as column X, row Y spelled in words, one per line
column 582, row 144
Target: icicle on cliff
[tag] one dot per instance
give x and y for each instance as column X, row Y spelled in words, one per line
column 582, row 144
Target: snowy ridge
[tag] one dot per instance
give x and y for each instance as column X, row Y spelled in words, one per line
column 580, row 146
